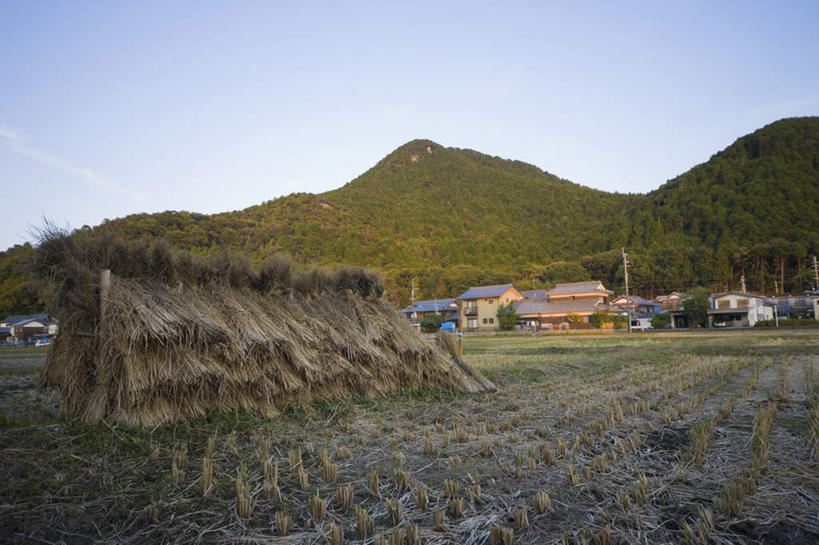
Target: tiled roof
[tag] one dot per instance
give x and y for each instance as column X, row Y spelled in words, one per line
column 18, row 319
column 577, row 287
column 433, row 305
column 743, row 294
column 637, row 300
column 661, row 298
column 480, row 292
column 542, row 306
column 535, row 294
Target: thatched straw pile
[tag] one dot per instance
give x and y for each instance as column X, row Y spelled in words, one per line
column 179, row 335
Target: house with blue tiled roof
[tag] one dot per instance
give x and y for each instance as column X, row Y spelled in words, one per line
column 446, row 308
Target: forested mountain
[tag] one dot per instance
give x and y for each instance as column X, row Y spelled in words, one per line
column 453, row 217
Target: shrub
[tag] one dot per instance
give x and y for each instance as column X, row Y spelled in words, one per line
column 573, row 318
column 789, row 322
column 660, row 321
column 431, row 323
column 507, row 317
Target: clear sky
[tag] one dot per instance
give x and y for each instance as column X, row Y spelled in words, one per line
column 111, row 108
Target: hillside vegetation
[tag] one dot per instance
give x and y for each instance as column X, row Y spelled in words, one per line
column 452, row 218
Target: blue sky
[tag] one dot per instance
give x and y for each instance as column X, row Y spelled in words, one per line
column 112, row 108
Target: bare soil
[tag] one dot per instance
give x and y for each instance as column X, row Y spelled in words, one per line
column 602, row 424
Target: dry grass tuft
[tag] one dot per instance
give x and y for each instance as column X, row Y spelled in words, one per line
column 456, row 508
column 547, row 453
column 571, row 475
column 498, row 535
column 397, row 537
column 437, row 519
column 373, row 484
column 244, row 505
column 395, row 512
column 521, row 519
column 330, row 472
column 364, row 524
column 450, row 488
column 343, row 453
column 180, row 458
column 294, row 456
column 318, row 508
column 420, row 497
column 402, row 480
column 541, row 502
column 283, row 522
column 413, row 534
column 344, row 496
column 335, row 535
column 208, row 468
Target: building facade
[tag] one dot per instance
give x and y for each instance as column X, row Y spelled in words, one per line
column 739, row 309
column 479, row 306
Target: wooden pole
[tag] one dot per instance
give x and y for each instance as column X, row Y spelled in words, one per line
column 105, row 290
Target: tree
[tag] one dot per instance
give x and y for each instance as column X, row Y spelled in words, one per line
column 696, row 305
column 660, row 321
column 431, row 323
column 507, row 317
column 573, row 318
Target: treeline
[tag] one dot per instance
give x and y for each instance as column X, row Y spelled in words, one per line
column 453, row 218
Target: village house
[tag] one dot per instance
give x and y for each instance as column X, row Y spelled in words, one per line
column 670, row 301
column 446, row 308
column 739, row 309
column 798, row 306
column 637, row 305
column 581, row 299
column 479, row 306
column 27, row 329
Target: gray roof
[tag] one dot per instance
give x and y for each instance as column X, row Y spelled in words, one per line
column 661, row 298
column 19, row 319
column 481, row 292
column 432, row 305
column 578, row 287
column 535, row 294
column 542, row 306
column 636, row 300
column 743, row 294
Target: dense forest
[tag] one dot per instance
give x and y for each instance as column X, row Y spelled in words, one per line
column 451, row 218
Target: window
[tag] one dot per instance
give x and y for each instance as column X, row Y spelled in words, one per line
column 491, row 301
column 472, row 323
column 491, row 320
column 484, row 320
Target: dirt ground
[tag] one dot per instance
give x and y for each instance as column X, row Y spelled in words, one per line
column 680, row 438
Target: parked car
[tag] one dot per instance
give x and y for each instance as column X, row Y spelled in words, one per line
column 42, row 342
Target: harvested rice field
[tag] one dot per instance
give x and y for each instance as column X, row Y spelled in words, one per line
column 655, row 438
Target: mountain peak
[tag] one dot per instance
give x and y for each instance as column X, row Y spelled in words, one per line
column 411, row 152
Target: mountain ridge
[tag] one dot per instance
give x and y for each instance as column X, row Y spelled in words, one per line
column 453, row 217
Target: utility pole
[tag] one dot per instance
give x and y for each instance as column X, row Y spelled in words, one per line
column 628, row 299
column 742, row 281
column 412, row 300
column 460, row 334
column 815, row 274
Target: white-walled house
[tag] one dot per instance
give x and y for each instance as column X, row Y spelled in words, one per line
column 738, row 309
column 27, row 328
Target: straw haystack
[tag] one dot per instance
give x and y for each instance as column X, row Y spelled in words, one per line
column 175, row 335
